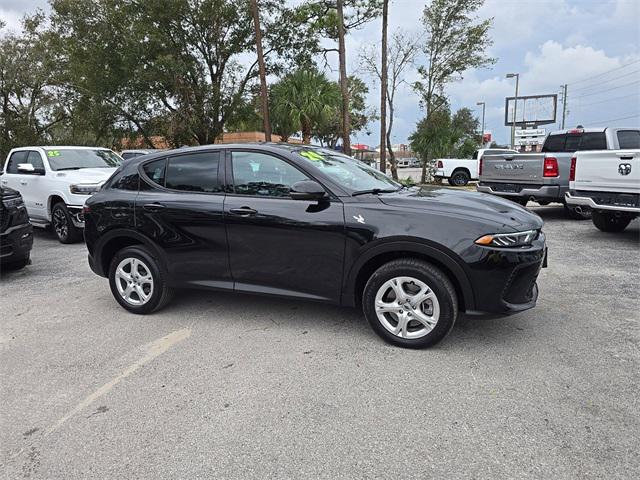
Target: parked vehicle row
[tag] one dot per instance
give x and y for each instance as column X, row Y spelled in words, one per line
column 460, row 171
column 16, row 233
column 544, row 177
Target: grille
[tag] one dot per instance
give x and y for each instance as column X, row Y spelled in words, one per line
column 519, row 288
column 4, row 218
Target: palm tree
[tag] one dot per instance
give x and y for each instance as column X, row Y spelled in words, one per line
column 304, row 97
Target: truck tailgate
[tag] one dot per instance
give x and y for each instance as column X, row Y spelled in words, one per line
column 513, row 168
column 608, row 171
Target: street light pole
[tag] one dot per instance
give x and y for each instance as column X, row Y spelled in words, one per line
column 515, row 107
column 482, row 131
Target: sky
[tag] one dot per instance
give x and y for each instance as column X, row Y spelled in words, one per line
column 593, row 46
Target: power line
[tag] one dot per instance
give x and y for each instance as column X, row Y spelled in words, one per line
column 615, row 119
column 607, row 90
column 604, row 73
column 606, row 81
column 608, row 100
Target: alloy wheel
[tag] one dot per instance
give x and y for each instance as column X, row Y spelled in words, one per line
column 134, row 281
column 407, row 307
column 60, row 223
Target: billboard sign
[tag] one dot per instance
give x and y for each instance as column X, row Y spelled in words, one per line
column 531, row 110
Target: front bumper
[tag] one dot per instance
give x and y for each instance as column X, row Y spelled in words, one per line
column 605, row 201
column 16, row 243
column 504, row 279
column 551, row 193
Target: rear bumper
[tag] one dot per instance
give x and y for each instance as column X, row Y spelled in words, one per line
column 518, row 190
column 439, row 173
column 16, row 243
column 596, row 201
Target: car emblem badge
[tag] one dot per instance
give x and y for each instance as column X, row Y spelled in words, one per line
column 359, row 218
column 624, row 168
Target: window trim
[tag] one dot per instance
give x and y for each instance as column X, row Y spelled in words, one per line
column 143, row 175
column 229, row 180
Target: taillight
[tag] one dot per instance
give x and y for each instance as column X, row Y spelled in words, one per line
column 440, row 164
column 572, row 170
column 86, row 209
column 480, row 167
column 550, row 168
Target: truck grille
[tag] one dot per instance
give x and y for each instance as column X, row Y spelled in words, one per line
column 612, row 199
column 4, row 218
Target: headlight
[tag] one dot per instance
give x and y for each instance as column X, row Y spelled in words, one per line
column 85, row 188
column 517, row 239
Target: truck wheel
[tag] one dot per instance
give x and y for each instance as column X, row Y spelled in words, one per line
column 63, row 225
column 16, row 264
column 608, row 222
column 577, row 214
column 460, row 178
column 137, row 281
column 410, row 303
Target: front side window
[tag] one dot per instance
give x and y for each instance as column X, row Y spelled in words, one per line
column 35, row 159
column 629, row 138
column 76, row 159
column 263, row 175
column 15, row 159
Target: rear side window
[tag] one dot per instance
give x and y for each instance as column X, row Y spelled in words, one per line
column 593, row 141
column 629, row 138
column 156, row 170
column 196, row 172
column 15, row 159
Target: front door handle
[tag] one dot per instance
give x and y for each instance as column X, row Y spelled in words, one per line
column 243, row 211
column 153, row 207
column 4, row 182
column 23, row 182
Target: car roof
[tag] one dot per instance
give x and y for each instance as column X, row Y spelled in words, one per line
column 60, row 147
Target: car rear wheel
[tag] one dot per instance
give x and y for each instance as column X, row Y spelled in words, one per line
column 137, row 281
column 608, row 222
column 63, row 226
column 459, row 178
column 410, row 303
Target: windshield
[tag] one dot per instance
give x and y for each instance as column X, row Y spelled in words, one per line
column 74, row 159
column 347, row 172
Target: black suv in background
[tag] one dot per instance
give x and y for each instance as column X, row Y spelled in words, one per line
column 16, row 233
column 305, row 222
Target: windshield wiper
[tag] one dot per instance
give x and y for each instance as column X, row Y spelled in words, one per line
column 68, row 168
column 374, row 191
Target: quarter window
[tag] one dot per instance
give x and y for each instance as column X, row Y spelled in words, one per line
column 263, row 175
column 156, row 170
column 629, row 138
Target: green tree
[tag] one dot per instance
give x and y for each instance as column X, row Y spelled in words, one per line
column 455, row 41
column 465, row 132
column 432, row 138
column 305, row 98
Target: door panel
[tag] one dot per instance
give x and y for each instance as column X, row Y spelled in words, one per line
column 187, row 225
column 277, row 244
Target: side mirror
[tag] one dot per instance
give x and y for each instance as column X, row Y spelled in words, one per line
column 307, row 190
column 30, row 169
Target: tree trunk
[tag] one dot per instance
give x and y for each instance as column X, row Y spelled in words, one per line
column 344, row 87
column 383, row 94
column 263, row 75
column 306, row 132
column 423, row 177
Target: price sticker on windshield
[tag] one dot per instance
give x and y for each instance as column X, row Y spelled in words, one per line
column 313, row 156
column 53, row 153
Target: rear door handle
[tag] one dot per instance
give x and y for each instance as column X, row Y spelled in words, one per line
column 243, row 211
column 153, row 207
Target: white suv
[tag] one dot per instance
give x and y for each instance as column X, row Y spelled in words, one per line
column 56, row 181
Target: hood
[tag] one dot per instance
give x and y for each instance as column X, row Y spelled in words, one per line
column 85, row 175
column 460, row 203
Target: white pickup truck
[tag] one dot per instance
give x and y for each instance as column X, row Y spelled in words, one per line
column 607, row 182
column 459, row 171
column 56, row 181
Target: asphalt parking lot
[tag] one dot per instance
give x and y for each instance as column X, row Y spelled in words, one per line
column 224, row 386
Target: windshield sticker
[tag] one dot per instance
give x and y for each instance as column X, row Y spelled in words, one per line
column 53, row 153
column 313, row 156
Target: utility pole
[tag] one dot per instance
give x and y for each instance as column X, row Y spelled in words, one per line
column 344, row 82
column 515, row 106
column 482, row 131
column 564, row 104
column 264, row 95
column 383, row 91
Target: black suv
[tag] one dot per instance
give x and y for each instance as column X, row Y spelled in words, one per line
column 305, row 222
column 16, row 233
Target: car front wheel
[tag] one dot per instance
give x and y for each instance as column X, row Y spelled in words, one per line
column 63, row 225
column 137, row 281
column 410, row 303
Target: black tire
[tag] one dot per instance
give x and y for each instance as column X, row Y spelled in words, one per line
column 434, row 279
column 608, row 222
column 459, row 178
column 450, row 182
column 543, row 203
column 575, row 214
column 16, row 264
column 519, row 201
column 161, row 294
column 62, row 225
